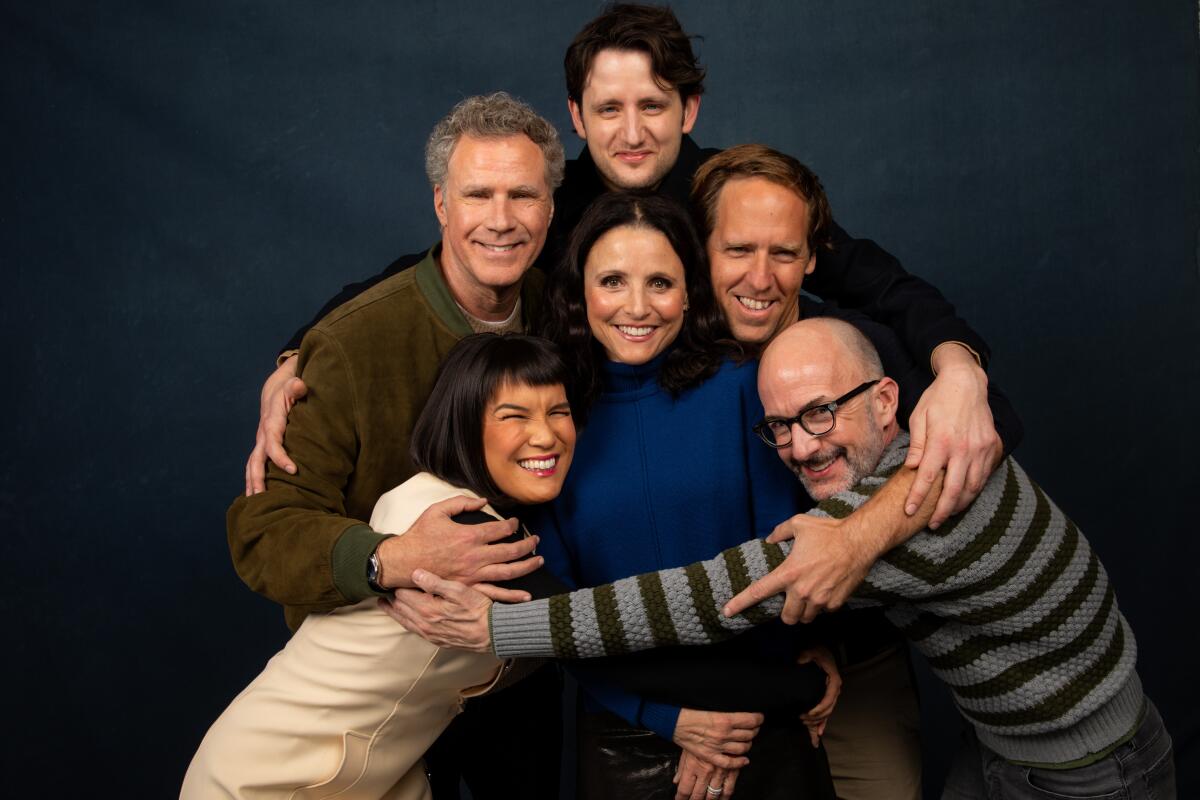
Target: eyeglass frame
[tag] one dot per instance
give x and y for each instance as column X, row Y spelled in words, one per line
column 763, row 431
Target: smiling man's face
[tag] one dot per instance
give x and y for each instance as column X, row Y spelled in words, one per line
column 633, row 126
column 811, row 364
column 759, row 254
column 494, row 209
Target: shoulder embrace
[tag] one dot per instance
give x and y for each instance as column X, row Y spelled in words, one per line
column 398, row 508
column 372, row 302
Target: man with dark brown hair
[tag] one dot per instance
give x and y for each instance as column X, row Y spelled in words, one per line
column 633, row 87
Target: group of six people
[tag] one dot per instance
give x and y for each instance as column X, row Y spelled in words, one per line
column 442, row 468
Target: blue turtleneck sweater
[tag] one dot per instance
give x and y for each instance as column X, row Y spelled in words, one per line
column 660, row 482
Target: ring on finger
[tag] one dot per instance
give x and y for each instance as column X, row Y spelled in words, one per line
column 714, row 791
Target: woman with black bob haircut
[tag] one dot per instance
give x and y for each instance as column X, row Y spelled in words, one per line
column 353, row 701
column 445, row 440
column 667, row 472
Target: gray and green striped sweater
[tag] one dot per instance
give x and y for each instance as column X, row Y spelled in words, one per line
column 1007, row 601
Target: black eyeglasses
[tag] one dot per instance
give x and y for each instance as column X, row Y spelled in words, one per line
column 816, row 420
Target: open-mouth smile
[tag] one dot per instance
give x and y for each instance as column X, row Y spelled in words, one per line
column 751, row 304
column 542, row 466
column 499, row 248
column 636, row 332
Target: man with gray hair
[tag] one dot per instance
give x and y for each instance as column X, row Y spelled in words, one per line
column 493, row 164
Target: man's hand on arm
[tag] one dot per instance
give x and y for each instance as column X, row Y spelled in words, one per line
column 462, row 553
column 446, row 613
column 952, row 429
column 830, row 557
column 824, row 567
column 279, row 394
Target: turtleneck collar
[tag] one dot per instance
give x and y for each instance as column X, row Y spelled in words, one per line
column 631, row 381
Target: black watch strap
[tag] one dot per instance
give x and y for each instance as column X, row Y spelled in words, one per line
column 373, row 572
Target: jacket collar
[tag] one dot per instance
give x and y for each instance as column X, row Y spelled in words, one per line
column 433, row 286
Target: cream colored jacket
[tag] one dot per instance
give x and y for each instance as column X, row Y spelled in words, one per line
column 352, row 702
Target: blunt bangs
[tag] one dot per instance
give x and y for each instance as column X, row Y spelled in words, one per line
column 447, row 440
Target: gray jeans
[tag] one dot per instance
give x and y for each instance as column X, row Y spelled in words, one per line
column 1142, row 768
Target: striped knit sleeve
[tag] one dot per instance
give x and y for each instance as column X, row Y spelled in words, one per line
column 680, row 606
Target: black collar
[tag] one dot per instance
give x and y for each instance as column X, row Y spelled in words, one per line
column 583, row 183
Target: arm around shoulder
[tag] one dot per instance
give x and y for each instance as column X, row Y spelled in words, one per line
column 860, row 274
column 349, row 292
column 282, row 540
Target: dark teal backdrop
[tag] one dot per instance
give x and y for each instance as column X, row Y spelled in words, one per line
column 182, row 185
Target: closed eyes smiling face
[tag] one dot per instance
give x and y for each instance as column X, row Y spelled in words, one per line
column 528, row 441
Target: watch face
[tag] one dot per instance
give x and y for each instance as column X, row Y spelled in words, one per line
column 372, row 569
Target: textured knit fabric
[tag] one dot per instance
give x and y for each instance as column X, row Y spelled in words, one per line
column 515, row 323
column 1141, row 768
column 369, row 367
column 660, row 482
column 1007, row 601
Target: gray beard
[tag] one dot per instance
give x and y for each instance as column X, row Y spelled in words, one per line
column 860, row 462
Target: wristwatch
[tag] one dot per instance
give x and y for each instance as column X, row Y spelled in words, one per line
column 373, row 571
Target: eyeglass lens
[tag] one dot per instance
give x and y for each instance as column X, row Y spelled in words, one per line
column 816, row 421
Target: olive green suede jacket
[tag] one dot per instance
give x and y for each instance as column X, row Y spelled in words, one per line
column 369, row 367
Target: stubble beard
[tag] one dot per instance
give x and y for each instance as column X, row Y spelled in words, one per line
column 860, row 463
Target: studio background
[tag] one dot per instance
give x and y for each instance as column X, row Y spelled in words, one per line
column 184, row 184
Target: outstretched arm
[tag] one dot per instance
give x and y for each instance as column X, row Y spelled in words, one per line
column 831, row 555
column 861, row 275
column 684, row 605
